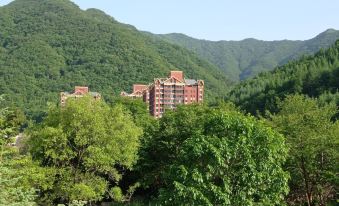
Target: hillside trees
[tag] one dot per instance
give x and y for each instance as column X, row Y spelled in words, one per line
column 313, row 140
column 49, row 46
column 310, row 75
column 12, row 190
column 244, row 59
column 89, row 145
column 204, row 156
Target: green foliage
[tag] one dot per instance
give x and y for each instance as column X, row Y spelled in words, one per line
column 13, row 188
column 117, row 194
column 82, row 191
column 15, row 118
column 11, row 193
column 10, row 124
column 244, row 59
column 205, row 156
column 137, row 108
column 89, row 144
column 89, row 151
column 31, row 175
column 139, row 111
column 313, row 140
column 48, row 46
column 311, row 75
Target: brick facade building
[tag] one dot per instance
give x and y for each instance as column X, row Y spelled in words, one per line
column 167, row 93
column 78, row 92
column 138, row 90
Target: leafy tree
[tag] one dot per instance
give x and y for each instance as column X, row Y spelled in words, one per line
column 10, row 124
column 30, row 176
column 141, row 116
column 11, row 193
column 138, row 109
column 150, row 126
column 204, row 156
column 6, row 130
column 89, row 144
column 12, row 190
column 313, row 140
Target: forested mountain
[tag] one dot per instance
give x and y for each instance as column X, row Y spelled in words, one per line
column 315, row 76
column 243, row 59
column 48, row 46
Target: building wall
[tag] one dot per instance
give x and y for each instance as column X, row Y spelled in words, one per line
column 164, row 96
column 145, row 95
column 200, row 91
column 152, row 100
column 167, row 93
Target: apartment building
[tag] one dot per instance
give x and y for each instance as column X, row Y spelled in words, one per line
column 167, row 93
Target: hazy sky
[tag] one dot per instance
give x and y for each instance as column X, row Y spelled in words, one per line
column 224, row 19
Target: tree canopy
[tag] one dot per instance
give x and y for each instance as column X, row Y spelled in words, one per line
column 89, row 144
column 204, row 156
column 313, row 140
column 12, row 190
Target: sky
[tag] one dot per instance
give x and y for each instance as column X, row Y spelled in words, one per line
column 224, row 19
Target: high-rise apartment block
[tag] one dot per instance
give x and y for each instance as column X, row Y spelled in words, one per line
column 167, row 93
column 78, row 92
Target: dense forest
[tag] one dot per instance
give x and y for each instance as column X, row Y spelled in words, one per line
column 315, row 76
column 49, row 46
column 272, row 139
column 89, row 152
column 244, row 59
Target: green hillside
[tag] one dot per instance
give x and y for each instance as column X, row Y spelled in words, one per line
column 48, row 46
column 316, row 76
column 243, row 59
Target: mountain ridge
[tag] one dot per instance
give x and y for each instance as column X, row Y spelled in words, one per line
column 246, row 58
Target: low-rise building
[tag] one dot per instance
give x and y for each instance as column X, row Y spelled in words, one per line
column 138, row 90
column 79, row 91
